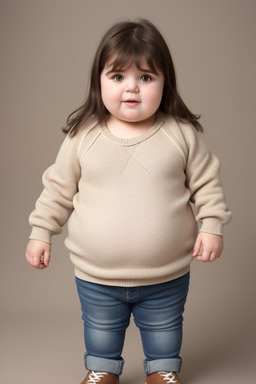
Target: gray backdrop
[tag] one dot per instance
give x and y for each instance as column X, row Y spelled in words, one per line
column 46, row 52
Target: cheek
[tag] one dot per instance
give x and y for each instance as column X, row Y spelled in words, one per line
column 155, row 96
column 109, row 95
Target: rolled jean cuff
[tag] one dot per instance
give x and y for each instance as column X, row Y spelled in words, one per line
column 162, row 365
column 99, row 364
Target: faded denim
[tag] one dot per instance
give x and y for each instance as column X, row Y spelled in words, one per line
column 158, row 313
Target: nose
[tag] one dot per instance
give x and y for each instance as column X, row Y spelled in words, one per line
column 132, row 86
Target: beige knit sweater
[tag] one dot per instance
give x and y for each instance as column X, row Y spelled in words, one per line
column 128, row 202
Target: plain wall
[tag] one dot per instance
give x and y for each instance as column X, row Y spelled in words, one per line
column 46, row 53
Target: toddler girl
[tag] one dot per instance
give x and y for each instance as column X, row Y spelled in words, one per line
column 133, row 178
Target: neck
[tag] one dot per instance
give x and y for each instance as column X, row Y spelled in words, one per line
column 127, row 129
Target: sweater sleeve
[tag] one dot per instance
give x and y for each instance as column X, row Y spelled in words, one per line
column 204, row 183
column 55, row 203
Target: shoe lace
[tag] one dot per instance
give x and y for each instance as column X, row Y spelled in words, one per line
column 168, row 377
column 95, row 377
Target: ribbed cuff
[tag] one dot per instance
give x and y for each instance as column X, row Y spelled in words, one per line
column 212, row 225
column 41, row 234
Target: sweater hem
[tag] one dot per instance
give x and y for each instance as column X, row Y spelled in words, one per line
column 123, row 282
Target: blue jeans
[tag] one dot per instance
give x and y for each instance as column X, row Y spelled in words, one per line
column 158, row 313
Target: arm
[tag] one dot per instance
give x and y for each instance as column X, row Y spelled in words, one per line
column 204, row 183
column 55, row 203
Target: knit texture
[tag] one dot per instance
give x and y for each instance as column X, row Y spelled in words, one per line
column 129, row 202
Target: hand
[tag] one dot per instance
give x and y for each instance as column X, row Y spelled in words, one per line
column 38, row 254
column 208, row 247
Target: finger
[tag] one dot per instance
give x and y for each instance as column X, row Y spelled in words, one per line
column 40, row 266
column 200, row 258
column 197, row 248
column 213, row 256
column 35, row 261
column 205, row 257
column 46, row 259
column 29, row 258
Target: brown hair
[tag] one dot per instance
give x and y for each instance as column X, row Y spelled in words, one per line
column 130, row 42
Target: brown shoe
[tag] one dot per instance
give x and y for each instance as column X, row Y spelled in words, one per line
column 163, row 378
column 93, row 377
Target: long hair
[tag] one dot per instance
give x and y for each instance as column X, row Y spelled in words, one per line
column 130, row 42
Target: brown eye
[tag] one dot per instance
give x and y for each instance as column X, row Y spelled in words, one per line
column 146, row 78
column 118, row 78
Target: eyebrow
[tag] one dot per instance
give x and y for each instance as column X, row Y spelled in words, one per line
column 146, row 70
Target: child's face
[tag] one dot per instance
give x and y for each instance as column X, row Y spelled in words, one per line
column 131, row 95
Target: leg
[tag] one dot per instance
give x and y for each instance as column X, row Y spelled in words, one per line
column 106, row 318
column 159, row 316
